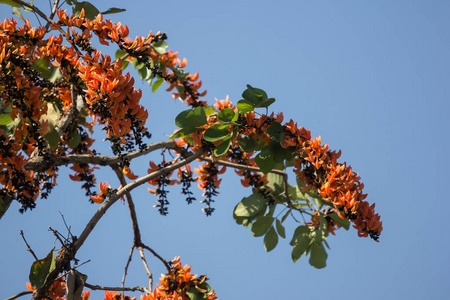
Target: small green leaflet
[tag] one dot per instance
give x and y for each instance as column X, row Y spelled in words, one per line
column 11, row 3
column 250, row 206
column 160, row 47
column 270, row 240
column 157, row 84
column 318, row 255
column 280, row 229
column 113, row 10
column 262, row 225
column 90, row 11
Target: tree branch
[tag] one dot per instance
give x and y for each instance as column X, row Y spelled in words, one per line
column 37, row 163
column 128, row 188
column 19, row 295
column 108, row 288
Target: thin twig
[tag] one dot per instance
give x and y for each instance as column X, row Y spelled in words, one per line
column 28, row 246
column 166, row 264
column 52, row 15
column 136, row 231
column 126, row 269
column 147, row 269
column 57, row 234
column 19, row 295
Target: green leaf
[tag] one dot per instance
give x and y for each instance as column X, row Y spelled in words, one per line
column 137, row 65
column 120, row 53
column 264, row 162
column 193, row 294
column 11, row 3
column 52, row 116
column 90, row 11
column 157, row 84
column 18, row 13
column 40, row 269
column 74, row 140
column 299, row 232
column 244, row 106
column 286, row 215
column 342, row 222
column 196, row 117
column 262, row 225
column 56, row 75
column 280, row 229
column 300, row 246
column 276, row 131
column 179, row 120
column 276, row 183
column 215, row 133
column 254, row 95
column 222, row 149
column 318, row 256
column 113, row 10
column 160, row 47
column 5, row 119
column 248, row 144
column 209, row 110
column 205, row 286
column 250, row 206
column 227, row 115
column 143, row 73
column 183, row 132
column 27, row 9
column 181, row 74
column 52, row 138
column 266, row 103
column 270, row 240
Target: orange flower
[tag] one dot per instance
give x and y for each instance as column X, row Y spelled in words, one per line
column 128, row 173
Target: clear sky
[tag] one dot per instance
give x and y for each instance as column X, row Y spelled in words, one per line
column 372, row 78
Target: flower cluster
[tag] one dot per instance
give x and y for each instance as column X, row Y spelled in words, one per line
column 209, row 182
column 57, row 290
column 315, row 165
column 41, row 80
column 162, row 181
column 178, row 283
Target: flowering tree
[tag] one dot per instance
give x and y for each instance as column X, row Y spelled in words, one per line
column 56, row 89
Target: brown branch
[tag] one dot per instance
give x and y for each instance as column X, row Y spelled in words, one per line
column 28, row 246
column 52, row 14
column 128, row 188
column 126, row 268
column 239, row 166
column 19, row 295
column 136, row 231
column 107, row 288
column 166, row 264
column 38, row 163
column 147, row 269
column 66, row 254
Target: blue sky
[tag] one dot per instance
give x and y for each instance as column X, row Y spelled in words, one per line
column 370, row 77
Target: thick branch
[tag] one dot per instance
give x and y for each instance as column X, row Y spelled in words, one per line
column 108, row 288
column 102, row 160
